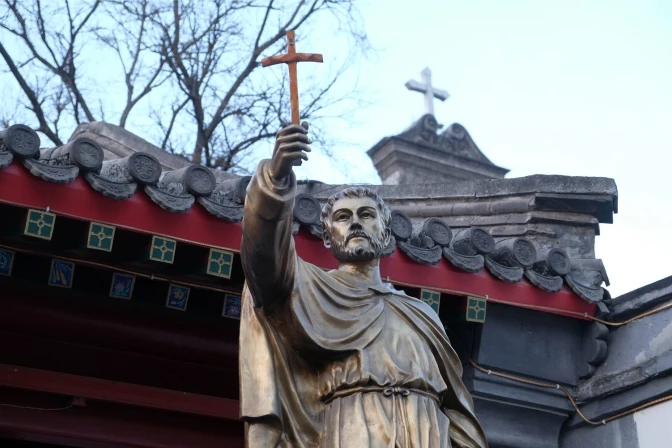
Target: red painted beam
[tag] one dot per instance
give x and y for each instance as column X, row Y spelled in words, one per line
column 101, row 425
column 120, row 393
column 444, row 277
column 117, row 327
column 52, row 354
column 79, row 201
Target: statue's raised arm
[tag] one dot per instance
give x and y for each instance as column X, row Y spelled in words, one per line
column 267, row 250
column 338, row 358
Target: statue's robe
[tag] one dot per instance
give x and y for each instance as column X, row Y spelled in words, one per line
column 327, row 360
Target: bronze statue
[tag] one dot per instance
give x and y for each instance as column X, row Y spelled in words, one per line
column 340, row 358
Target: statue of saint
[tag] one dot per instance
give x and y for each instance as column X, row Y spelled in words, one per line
column 338, row 359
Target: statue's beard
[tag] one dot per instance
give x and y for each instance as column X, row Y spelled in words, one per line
column 345, row 254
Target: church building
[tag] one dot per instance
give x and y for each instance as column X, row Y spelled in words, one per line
column 120, row 283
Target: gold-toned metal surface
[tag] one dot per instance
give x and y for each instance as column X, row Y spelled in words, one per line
column 339, row 358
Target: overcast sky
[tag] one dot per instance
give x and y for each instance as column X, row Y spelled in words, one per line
column 570, row 87
column 566, row 87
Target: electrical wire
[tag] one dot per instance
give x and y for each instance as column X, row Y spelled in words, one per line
column 569, row 396
column 36, row 409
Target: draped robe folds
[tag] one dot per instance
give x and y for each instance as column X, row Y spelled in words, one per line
column 303, row 328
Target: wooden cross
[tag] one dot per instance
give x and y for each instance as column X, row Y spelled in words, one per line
column 291, row 58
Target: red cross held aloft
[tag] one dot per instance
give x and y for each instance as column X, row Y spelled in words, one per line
column 291, row 58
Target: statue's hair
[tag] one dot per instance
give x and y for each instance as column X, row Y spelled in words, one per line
column 352, row 193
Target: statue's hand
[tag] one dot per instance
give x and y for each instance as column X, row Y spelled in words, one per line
column 291, row 146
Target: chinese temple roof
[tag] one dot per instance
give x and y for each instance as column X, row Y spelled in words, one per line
column 487, row 238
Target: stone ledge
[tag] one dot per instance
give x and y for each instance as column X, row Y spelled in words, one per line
column 641, row 300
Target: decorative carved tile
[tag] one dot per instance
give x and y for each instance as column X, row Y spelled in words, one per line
column 476, row 308
column 431, row 298
column 178, row 296
column 101, row 237
column 6, row 262
column 231, row 308
column 40, row 224
column 163, row 249
column 122, row 286
column 220, row 263
column 62, row 273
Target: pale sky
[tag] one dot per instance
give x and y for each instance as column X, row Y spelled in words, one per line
column 571, row 87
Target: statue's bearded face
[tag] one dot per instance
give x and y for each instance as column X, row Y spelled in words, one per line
column 355, row 230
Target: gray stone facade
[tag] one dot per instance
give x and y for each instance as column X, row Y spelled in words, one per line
column 637, row 370
column 608, row 370
column 421, row 155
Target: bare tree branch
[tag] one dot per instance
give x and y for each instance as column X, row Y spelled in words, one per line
column 184, row 71
column 36, row 105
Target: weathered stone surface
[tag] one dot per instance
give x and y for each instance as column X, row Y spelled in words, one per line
column 82, row 152
column 586, row 284
column 591, row 265
column 638, row 352
column 558, row 262
column 144, row 168
column 20, row 140
column 468, row 263
column 637, row 369
column 194, row 179
column 641, row 300
column 438, row 231
column 598, row 330
column 508, row 208
column 306, row 209
column 537, row 344
column 493, row 189
column 111, row 189
column 514, row 252
column 424, row 255
column 232, row 190
column 119, row 143
column 508, row 274
column 138, row 167
column 473, row 241
column 230, row 211
column 6, row 158
column 402, row 227
column 547, row 283
column 546, row 272
column 171, row 202
column 597, row 205
column 226, row 201
column 420, row 155
column 621, row 433
column 609, row 405
column 509, row 425
column 52, row 173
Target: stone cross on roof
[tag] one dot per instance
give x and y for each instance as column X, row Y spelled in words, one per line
column 430, row 92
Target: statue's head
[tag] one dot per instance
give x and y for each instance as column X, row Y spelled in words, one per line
column 356, row 225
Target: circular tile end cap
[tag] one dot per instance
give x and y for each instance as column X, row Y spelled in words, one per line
column 144, row 168
column 21, row 140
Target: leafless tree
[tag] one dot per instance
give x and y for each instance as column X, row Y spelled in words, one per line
column 189, row 70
